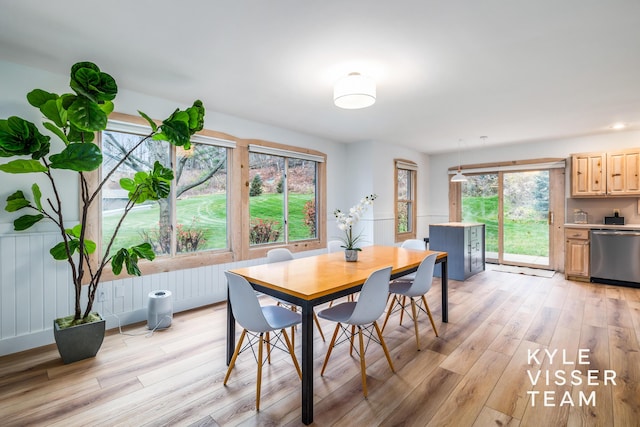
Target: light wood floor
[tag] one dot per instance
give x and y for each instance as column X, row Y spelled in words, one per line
column 474, row 374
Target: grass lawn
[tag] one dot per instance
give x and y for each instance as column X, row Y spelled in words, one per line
column 209, row 213
column 521, row 237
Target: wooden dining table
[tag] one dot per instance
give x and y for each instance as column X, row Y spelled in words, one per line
column 310, row 281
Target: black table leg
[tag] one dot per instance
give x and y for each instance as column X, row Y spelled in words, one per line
column 307, row 364
column 445, row 291
column 231, row 330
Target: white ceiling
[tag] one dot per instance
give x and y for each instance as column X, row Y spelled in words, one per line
column 514, row 70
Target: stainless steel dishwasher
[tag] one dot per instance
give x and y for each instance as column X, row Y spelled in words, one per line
column 615, row 256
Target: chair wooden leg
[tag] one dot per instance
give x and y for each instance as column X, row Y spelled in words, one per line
column 268, row 342
column 353, row 334
column 235, row 356
column 333, row 341
column 415, row 322
column 384, row 346
column 389, row 310
column 404, row 301
column 259, row 382
column 426, row 307
column 363, row 366
column 293, row 355
column 315, row 318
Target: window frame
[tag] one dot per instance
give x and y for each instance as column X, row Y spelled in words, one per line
column 267, row 147
column 237, row 208
column 412, row 168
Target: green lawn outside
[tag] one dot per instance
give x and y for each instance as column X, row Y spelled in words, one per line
column 209, row 212
column 522, row 237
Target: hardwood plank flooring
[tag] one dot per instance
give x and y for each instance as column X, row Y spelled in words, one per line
column 509, row 356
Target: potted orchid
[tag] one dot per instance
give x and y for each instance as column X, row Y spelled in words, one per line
column 346, row 221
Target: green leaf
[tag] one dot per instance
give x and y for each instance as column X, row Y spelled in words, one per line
column 89, row 246
column 75, row 231
column 196, row 117
column 128, row 184
column 52, row 110
column 88, row 81
column 86, row 115
column 154, row 126
column 144, row 250
column 23, row 166
column 78, row 157
column 117, row 261
column 76, row 135
column 37, row 196
column 107, row 107
column 37, row 97
column 19, row 137
column 59, row 251
column 176, row 132
column 16, row 201
column 26, row 221
column 53, row 128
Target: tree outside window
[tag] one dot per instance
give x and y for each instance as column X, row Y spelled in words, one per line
column 192, row 219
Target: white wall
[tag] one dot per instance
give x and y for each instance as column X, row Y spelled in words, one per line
column 556, row 148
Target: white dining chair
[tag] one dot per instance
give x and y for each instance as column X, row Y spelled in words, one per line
column 361, row 315
column 335, row 246
column 414, row 289
column 258, row 322
column 284, row 254
column 415, row 244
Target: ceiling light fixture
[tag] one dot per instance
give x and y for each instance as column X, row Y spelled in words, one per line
column 618, row 126
column 458, row 177
column 354, row 91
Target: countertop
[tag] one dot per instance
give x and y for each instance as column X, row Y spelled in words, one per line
column 604, row 226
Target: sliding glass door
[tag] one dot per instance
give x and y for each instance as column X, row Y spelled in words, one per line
column 480, row 203
column 514, row 206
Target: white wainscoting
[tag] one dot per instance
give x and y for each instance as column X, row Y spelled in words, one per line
column 35, row 289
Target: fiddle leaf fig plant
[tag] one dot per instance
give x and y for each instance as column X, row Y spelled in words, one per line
column 75, row 118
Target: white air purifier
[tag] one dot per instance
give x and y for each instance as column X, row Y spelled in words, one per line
column 159, row 310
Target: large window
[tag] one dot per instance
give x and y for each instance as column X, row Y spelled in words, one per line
column 405, row 192
column 192, row 219
column 231, row 199
column 282, row 196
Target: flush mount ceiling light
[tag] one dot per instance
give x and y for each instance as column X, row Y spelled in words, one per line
column 618, row 126
column 354, row 91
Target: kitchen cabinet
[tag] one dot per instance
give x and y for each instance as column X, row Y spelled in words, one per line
column 464, row 244
column 622, row 173
column 587, row 174
column 576, row 250
column 600, row 174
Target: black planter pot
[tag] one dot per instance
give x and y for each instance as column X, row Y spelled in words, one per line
column 79, row 342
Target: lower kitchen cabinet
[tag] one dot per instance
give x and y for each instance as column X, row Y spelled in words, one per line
column 576, row 249
column 464, row 243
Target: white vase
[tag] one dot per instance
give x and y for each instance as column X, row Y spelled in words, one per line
column 351, row 255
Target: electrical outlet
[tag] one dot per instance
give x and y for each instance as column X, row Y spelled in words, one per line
column 103, row 295
column 119, row 291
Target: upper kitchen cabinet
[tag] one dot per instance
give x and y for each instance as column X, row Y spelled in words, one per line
column 587, row 174
column 622, row 173
column 605, row 174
